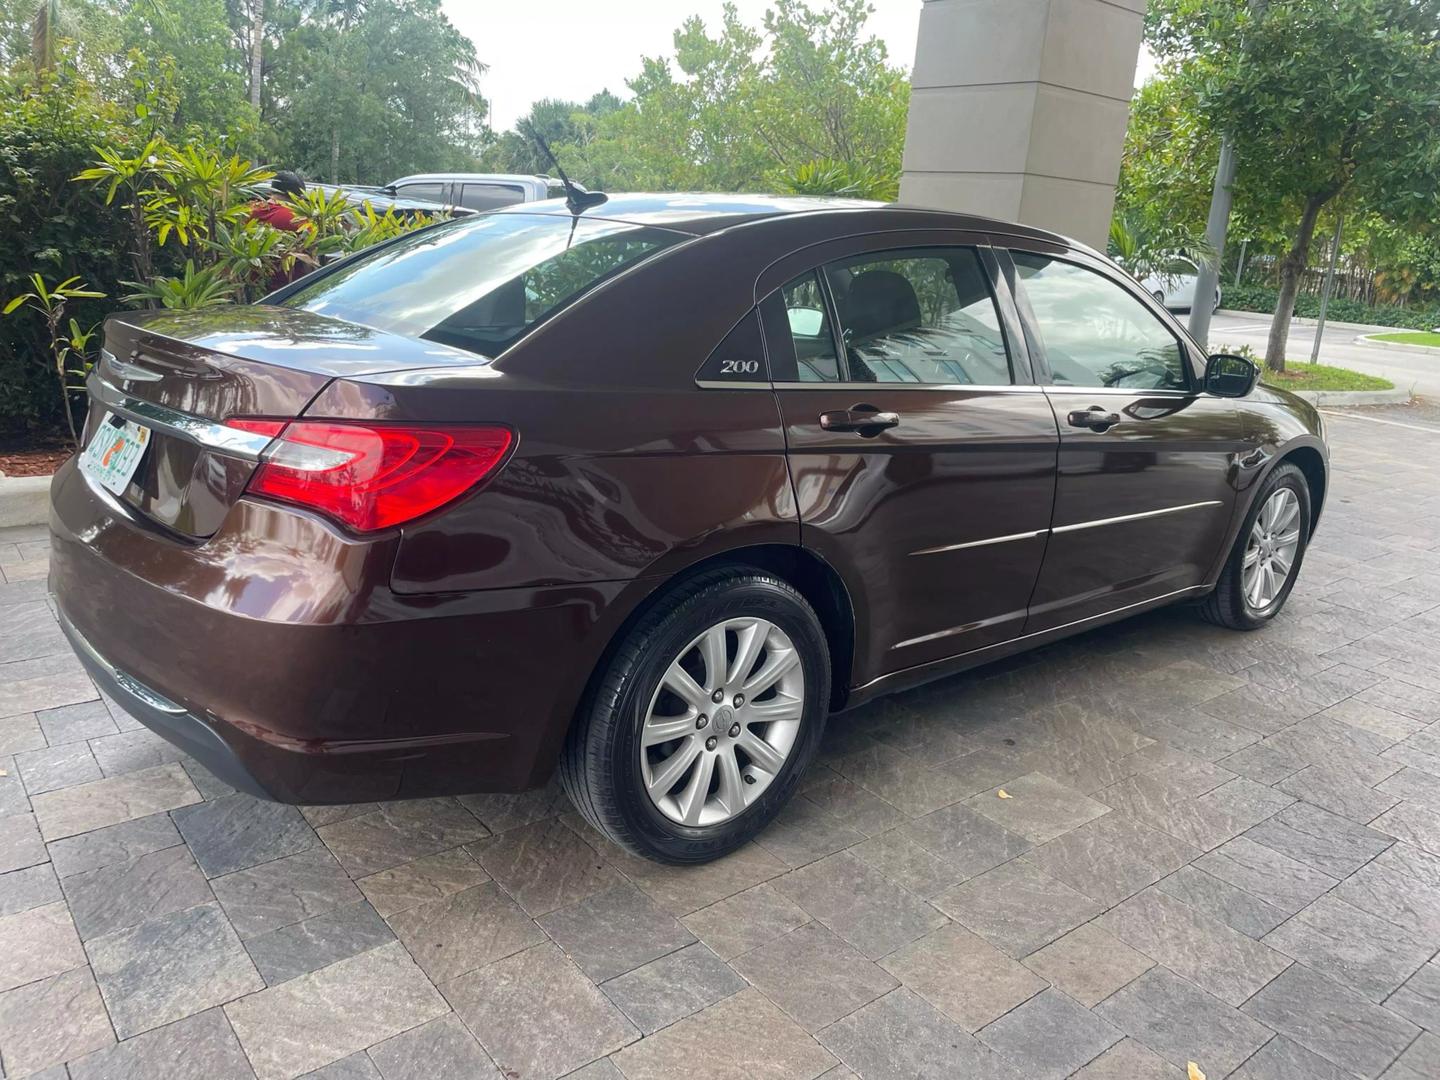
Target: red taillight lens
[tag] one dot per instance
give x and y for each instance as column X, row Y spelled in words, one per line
column 371, row 475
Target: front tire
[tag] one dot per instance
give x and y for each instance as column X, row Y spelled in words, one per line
column 702, row 719
column 1265, row 561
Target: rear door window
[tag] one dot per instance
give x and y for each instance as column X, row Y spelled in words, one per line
column 480, row 283
column 920, row 316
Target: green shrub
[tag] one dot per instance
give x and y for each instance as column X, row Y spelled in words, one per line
column 100, row 196
column 1261, row 298
column 53, row 227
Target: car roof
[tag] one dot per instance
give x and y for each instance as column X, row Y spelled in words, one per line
column 706, row 212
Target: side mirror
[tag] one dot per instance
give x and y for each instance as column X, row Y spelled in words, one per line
column 1230, row 376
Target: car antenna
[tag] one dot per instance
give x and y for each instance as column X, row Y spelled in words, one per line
column 576, row 197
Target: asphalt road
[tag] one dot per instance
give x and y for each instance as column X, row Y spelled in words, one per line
column 1419, row 372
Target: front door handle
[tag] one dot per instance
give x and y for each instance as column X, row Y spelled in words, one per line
column 1096, row 418
column 863, row 420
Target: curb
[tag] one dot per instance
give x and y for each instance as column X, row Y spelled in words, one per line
column 1398, row 346
column 1354, row 397
column 24, row 500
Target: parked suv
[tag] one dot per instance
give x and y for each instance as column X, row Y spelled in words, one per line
column 645, row 493
column 475, row 191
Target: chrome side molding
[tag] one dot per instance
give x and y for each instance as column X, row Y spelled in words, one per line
column 1098, row 522
column 1095, row 524
column 981, row 543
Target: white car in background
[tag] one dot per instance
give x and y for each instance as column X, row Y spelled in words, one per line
column 1174, row 286
column 475, row 191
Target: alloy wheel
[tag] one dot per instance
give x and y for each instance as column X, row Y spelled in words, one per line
column 1270, row 553
column 723, row 721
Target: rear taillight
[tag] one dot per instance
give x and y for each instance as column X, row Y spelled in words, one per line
column 372, row 476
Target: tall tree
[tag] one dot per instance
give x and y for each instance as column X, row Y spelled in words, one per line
column 564, row 124
column 738, row 105
column 1322, row 98
column 367, row 91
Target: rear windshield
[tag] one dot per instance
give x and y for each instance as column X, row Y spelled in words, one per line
column 480, row 283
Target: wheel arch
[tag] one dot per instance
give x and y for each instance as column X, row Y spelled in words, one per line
column 1312, row 464
column 816, row 580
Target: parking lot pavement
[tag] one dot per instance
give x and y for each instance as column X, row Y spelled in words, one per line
column 1217, row 847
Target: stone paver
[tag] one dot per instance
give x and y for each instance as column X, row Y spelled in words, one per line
column 839, row 979
column 1220, row 848
column 319, row 1018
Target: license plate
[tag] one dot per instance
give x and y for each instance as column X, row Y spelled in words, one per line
column 114, row 452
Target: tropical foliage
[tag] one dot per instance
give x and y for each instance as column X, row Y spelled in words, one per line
column 150, row 222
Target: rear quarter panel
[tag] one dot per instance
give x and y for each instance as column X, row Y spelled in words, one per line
column 603, row 485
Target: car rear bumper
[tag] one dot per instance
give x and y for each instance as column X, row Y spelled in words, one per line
column 276, row 654
column 174, row 723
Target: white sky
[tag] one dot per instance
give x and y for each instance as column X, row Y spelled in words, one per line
column 571, row 49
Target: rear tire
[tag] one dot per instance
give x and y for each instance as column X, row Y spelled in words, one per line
column 659, row 766
column 1250, row 592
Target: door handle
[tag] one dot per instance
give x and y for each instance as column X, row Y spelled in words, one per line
column 864, row 420
column 1095, row 418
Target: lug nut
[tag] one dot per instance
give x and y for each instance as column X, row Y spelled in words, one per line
column 711, row 742
column 749, row 778
column 718, row 696
column 734, row 730
column 701, row 721
column 739, row 700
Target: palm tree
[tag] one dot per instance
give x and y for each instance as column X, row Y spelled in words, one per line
column 44, row 33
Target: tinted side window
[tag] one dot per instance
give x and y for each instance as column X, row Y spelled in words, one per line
column 1094, row 332
column 924, row 316
column 815, row 359
column 489, row 196
column 427, row 192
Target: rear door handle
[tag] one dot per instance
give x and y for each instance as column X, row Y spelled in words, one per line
column 1096, row 418
column 863, row 420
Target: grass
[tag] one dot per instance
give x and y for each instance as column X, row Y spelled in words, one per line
column 1299, row 375
column 1416, row 337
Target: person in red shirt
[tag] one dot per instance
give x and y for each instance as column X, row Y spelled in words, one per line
column 286, row 185
column 274, row 212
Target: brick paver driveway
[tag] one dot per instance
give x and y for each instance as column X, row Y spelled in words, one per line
column 1220, row 848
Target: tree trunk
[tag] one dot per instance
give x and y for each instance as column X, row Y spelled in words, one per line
column 1292, row 269
column 257, row 52
column 335, row 155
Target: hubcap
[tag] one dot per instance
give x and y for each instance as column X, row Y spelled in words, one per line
column 707, row 777
column 1270, row 552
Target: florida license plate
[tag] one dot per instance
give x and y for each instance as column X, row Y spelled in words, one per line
column 114, row 452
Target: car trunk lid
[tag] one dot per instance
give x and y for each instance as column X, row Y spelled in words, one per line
column 183, row 374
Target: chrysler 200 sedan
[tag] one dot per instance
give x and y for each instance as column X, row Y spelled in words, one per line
column 644, row 493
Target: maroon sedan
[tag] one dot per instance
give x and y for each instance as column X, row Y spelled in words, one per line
column 645, row 493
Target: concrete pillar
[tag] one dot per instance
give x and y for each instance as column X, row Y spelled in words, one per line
column 1018, row 109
